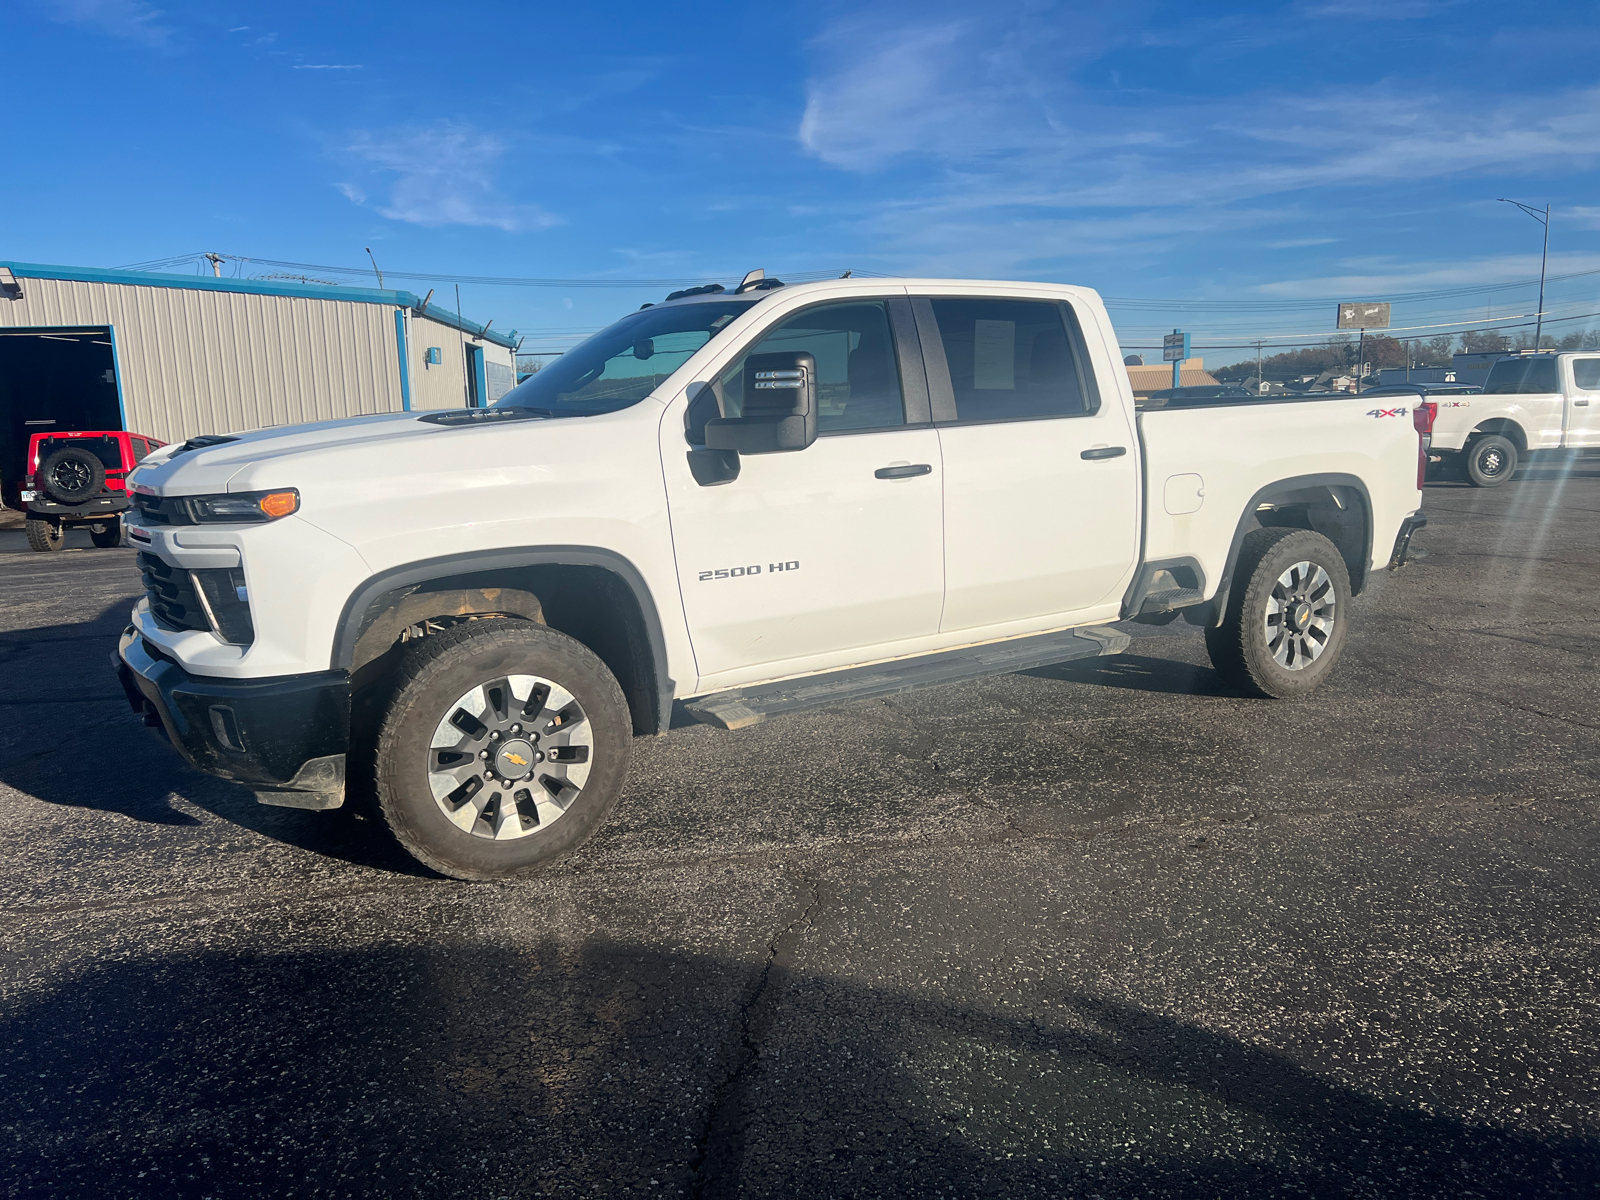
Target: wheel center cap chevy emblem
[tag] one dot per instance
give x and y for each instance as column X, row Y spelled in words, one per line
column 514, row 758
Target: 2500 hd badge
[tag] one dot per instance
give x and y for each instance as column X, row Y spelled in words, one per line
column 754, row 569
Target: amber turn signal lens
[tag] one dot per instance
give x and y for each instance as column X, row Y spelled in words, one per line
column 280, row 504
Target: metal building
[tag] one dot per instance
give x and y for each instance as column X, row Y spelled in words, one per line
column 178, row 355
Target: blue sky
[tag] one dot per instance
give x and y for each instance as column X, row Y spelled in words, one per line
column 1248, row 155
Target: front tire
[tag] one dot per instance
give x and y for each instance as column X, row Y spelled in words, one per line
column 1491, row 460
column 1287, row 613
column 503, row 749
column 45, row 536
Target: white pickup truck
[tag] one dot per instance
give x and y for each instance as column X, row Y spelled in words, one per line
column 745, row 501
column 1536, row 402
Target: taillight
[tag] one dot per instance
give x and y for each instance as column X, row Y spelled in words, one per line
column 1422, row 421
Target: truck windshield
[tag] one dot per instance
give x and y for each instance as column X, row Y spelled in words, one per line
column 625, row 362
column 1522, row 376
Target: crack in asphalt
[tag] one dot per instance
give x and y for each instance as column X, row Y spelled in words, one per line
column 724, row 1103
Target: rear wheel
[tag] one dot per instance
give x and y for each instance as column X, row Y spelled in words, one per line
column 72, row 475
column 1491, row 460
column 1284, row 626
column 45, row 535
column 503, row 749
column 107, row 536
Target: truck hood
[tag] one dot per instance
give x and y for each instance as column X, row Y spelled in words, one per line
column 174, row 471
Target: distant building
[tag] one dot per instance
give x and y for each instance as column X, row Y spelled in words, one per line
column 179, row 355
column 1158, row 378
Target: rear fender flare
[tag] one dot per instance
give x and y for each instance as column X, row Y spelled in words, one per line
column 1290, row 490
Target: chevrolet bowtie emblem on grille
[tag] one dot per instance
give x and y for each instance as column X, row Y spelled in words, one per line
column 517, row 759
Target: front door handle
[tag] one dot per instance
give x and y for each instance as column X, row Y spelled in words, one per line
column 1105, row 452
column 1580, row 404
column 903, row 472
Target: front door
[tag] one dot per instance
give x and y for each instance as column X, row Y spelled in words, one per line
column 1041, row 488
column 1583, row 403
column 824, row 556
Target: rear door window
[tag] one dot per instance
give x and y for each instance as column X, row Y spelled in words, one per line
column 1010, row 360
column 140, row 448
column 1586, row 374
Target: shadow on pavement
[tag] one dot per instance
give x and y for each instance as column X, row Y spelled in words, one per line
column 70, row 739
column 473, row 1068
column 1138, row 673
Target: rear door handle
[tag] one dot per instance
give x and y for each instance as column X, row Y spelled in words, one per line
column 905, row 472
column 1580, row 403
column 1105, row 452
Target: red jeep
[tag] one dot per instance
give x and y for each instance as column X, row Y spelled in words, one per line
column 80, row 479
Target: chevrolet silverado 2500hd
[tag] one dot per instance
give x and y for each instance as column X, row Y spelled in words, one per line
column 750, row 501
column 1541, row 402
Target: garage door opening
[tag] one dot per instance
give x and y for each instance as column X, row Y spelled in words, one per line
column 54, row 380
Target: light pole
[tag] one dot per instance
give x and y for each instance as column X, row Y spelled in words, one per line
column 1544, row 219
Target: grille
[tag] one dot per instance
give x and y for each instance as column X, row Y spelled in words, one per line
column 173, row 599
column 163, row 510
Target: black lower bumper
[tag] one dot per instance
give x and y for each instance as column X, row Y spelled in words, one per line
column 1402, row 543
column 284, row 737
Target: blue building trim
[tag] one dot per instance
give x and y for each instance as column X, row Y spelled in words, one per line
column 405, row 366
column 252, row 287
column 116, row 373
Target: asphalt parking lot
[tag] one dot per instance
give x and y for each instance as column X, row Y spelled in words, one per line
column 1093, row 930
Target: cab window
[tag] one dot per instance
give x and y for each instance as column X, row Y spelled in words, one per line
column 1586, row 374
column 858, row 378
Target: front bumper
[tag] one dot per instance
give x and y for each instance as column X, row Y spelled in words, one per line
column 284, row 737
column 1402, row 543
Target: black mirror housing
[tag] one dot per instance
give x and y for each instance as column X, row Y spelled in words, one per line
column 780, row 407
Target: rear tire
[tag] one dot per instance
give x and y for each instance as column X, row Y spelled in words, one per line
column 111, row 537
column 72, row 475
column 541, row 696
column 1491, row 460
column 1287, row 613
column 45, row 535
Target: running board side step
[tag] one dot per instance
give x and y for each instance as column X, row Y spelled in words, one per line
column 739, row 707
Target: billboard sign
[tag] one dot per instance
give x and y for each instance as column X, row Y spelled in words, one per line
column 1175, row 347
column 1362, row 315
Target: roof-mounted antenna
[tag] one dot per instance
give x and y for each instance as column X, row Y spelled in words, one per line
column 750, row 280
column 375, row 270
column 423, row 307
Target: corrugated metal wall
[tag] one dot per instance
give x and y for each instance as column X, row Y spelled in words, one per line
column 445, row 385
column 193, row 361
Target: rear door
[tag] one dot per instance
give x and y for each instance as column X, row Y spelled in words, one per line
column 1041, row 483
column 1583, row 402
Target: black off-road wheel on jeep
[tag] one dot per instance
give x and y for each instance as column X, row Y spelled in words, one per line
column 1287, row 614
column 45, row 535
column 107, row 535
column 503, row 749
column 1490, row 460
column 72, row 475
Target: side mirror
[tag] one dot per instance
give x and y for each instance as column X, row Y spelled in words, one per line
column 780, row 407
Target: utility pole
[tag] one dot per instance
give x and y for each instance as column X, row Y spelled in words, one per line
column 1261, row 384
column 216, row 263
column 375, row 270
column 1543, row 219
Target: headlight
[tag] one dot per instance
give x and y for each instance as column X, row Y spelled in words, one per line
column 237, row 507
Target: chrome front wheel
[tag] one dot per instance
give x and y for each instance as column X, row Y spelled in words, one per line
column 510, row 757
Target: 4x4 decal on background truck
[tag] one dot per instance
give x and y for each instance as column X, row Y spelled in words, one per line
column 754, row 569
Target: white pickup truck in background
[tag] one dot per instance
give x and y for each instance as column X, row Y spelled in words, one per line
column 748, row 501
column 1538, row 402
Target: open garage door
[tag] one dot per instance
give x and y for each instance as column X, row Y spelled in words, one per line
column 52, row 381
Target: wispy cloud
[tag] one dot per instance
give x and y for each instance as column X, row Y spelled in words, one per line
column 1386, row 276
column 329, row 67
column 442, row 173
column 130, row 20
